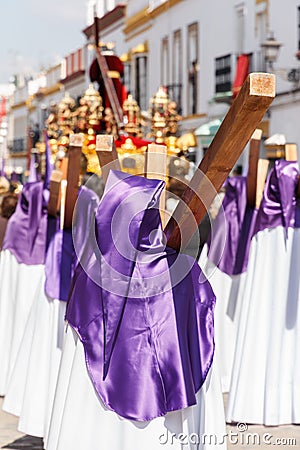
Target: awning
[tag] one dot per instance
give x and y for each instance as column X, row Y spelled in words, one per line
column 207, row 131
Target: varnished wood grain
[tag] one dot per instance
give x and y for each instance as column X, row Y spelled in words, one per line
column 262, row 171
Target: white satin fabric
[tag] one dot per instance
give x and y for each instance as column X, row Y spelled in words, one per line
column 229, row 291
column 265, row 387
column 31, row 386
column 18, row 286
column 80, row 421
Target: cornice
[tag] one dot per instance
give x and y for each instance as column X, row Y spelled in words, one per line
column 72, row 77
column 107, row 20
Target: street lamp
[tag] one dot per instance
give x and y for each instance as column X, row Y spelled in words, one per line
column 270, row 49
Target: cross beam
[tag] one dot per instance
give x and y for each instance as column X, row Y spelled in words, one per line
column 74, row 160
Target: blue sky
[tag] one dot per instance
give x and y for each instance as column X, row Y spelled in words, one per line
column 37, row 33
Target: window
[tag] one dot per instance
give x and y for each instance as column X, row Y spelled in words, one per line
column 193, row 68
column 141, row 82
column 223, row 73
column 165, row 62
column 127, row 76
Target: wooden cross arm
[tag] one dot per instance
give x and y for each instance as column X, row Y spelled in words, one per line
column 74, row 162
column 107, row 154
column 244, row 115
column 291, row 154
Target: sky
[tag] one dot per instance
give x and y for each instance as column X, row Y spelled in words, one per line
column 36, row 34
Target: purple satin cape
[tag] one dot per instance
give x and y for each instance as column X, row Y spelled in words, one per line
column 26, row 232
column 279, row 206
column 229, row 241
column 143, row 312
column 61, row 257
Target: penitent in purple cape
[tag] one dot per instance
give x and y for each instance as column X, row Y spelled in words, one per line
column 143, row 312
column 230, row 238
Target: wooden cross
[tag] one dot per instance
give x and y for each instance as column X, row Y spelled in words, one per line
column 262, row 171
column 108, row 83
column 243, row 117
column 107, row 154
column 156, row 167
